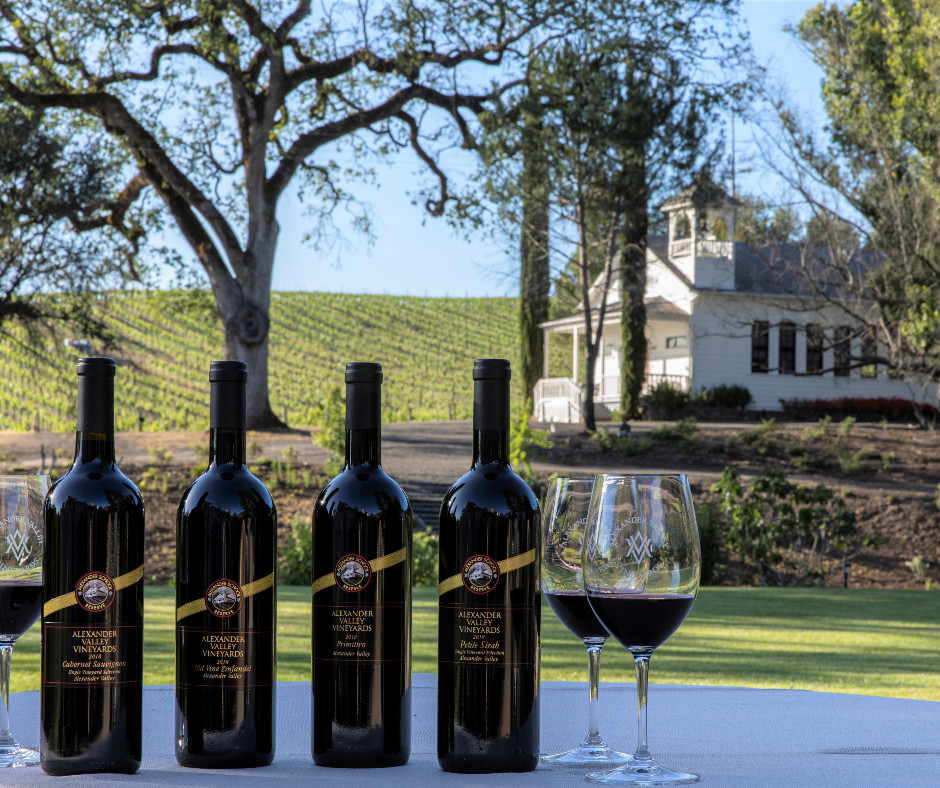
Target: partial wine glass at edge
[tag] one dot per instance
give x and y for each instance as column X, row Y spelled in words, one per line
column 21, row 541
column 565, row 512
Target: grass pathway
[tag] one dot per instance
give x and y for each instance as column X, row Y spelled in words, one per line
column 861, row 641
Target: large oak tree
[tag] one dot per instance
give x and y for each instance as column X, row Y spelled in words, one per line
column 222, row 105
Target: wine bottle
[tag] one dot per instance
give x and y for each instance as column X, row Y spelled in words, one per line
column 361, row 636
column 489, row 600
column 92, row 599
column 226, row 542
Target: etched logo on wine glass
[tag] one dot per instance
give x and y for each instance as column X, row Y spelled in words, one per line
column 352, row 573
column 21, row 540
column 224, row 598
column 95, row 592
column 639, row 547
column 480, row 574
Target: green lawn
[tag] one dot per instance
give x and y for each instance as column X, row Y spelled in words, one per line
column 870, row 642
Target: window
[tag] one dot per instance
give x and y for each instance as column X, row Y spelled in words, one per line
column 683, row 227
column 869, row 357
column 842, row 350
column 760, row 345
column 815, row 343
column 673, row 342
column 787, row 346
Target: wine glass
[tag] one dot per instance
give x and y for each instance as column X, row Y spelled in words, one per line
column 21, row 502
column 566, row 510
column 642, row 562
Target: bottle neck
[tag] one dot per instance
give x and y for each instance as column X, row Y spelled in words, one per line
column 94, row 436
column 227, row 418
column 491, row 421
column 363, row 423
column 227, row 445
column 490, row 446
column 94, row 447
column 363, row 446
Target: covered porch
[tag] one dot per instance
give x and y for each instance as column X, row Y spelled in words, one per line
column 560, row 398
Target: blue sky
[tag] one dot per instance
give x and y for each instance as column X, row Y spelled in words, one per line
column 413, row 253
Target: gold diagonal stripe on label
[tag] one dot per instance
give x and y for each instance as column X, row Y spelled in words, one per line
column 249, row 589
column 506, row 565
column 385, row 561
column 377, row 565
column 67, row 600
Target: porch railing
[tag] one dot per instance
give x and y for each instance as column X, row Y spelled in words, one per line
column 680, row 382
column 561, row 399
column 557, row 399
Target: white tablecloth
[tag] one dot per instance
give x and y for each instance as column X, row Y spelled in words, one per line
column 731, row 736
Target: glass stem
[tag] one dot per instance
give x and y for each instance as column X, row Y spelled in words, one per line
column 642, row 661
column 6, row 738
column 593, row 737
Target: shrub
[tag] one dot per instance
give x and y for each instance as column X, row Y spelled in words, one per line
column 684, row 433
column 786, row 530
column 424, row 554
column 760, row 438
column 845, row 428
column 627, row 446
column 297, row 554
column 863, row 408
column 732, row 396
column 666, row 401
column 330, row 420
column 160, row 455
column 522, row 439
column 714, row 545
column 820, row 432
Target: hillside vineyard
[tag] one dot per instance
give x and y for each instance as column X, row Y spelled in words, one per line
column 488, row 644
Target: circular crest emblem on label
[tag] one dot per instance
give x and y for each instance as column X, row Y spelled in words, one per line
column 95, row 591
column 224, row 598
column 480, row 574
column 352, row 573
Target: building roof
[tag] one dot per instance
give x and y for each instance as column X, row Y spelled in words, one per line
column 657, row 307
column 700, row 195
column 795, row 270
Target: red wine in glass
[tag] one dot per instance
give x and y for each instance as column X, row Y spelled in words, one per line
column 574, row 611
column 19, row 607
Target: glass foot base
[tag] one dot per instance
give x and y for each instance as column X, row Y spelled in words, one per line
column 642, row 772
column 16, row 755
column 590, row 755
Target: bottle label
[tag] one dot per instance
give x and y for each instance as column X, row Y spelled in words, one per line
column 484, row 582
column 345, row 632
column 224, row 598
column 480, row 574
column 92, row 653
column 352, row 573
column 482, row 630
column 348, row 633
column 95, row 592
column 83, row 654
column 224, row 658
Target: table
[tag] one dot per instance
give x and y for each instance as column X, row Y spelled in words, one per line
column 731, row 736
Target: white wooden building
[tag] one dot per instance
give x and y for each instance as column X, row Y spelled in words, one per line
column 723, row 312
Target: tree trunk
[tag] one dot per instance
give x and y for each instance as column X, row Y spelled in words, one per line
column 590, row 357
column 534, row 275
column 245, row 307
column 633, row 290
